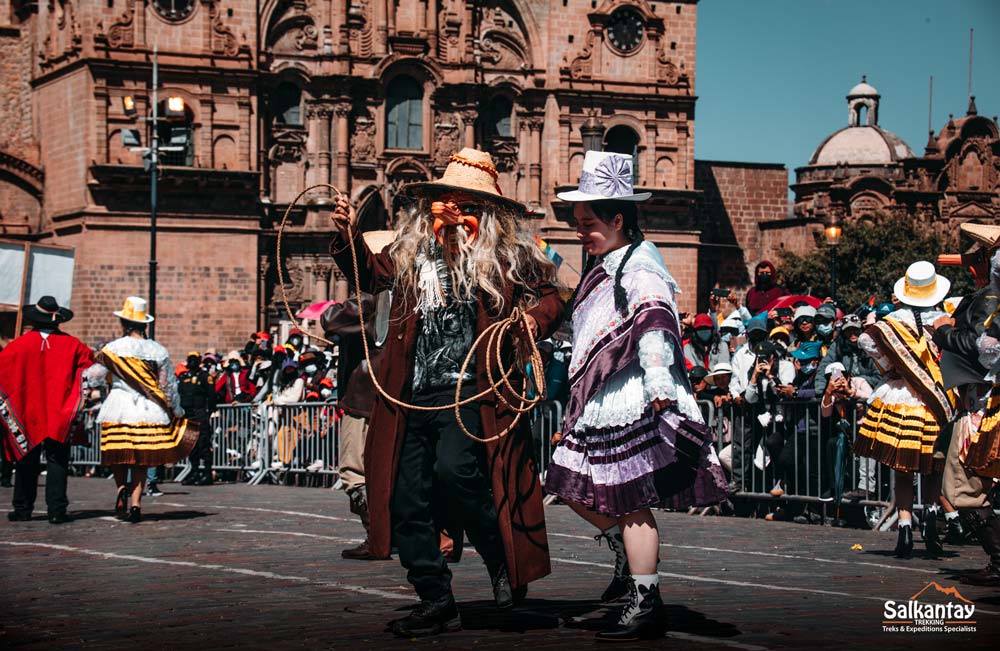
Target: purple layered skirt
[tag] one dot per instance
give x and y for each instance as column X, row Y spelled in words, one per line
column 662, row 460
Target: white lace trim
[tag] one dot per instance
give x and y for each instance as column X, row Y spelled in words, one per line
column 624, row 397
column 895, row 392
column 126, row 405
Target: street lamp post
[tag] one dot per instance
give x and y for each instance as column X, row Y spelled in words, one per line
column 833, row 231
column 175, row 108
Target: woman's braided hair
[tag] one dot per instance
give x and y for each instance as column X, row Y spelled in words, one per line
column 606, row 210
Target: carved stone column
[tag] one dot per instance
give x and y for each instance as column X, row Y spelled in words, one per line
column 469, row 122
column 263, row 265
column 341, row 288
column 321, row 273
column 324, row 114
column 535, row 160
column 343, row 111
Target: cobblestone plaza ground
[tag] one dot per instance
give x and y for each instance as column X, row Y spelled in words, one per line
column 235, row 566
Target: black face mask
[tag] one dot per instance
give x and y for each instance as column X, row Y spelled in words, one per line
column 764, row 280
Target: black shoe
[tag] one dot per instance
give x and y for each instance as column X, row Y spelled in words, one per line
column 204, row 480
column 989, row 576
column 134, row 515
column 190, row 480
column 19, row 516
column 904, row 543
column 59, row 518
column 429, row 618
column 503, row 594
column 931, row 541
column 621, row 581
column 648, row 623
column 152, row 490
column 121, row 503
column 955, row 535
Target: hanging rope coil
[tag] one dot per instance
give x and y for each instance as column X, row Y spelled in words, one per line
column 514, row 328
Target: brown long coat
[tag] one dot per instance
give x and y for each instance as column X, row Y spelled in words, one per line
column 512, row 465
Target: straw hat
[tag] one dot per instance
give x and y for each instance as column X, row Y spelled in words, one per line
column 47, row 312
column 922, row 286
column 605, row 175
column 471, row 171
column 986, row 234
column 134, row 310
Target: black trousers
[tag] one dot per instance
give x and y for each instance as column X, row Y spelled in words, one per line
column 26, row 473
column 202, row 450
column 439, row 463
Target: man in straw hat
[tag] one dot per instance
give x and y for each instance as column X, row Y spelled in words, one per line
column 460, row 262
column 968, row 340
column 41, row 397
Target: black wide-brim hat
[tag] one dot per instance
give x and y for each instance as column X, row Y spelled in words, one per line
column 47, row 312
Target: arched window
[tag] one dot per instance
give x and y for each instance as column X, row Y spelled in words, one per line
column 178, row 135
column 499, row 112
column 287, row 104
column 623, row 140
column 404, row 114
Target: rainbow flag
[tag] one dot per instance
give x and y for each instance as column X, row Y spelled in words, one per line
column 549, row 252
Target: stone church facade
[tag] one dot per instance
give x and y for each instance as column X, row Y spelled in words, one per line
column 362, row 95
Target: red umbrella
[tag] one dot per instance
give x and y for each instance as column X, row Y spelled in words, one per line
column 315, row 310
column 790, row 301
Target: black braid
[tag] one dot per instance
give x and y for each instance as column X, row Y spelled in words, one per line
column 920, row 324
column 621, row 298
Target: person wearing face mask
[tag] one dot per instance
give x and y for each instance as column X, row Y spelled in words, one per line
column 313, row 368
column 825, row 325
column 705, row 349
column 295, row 340
column 844, row 350
column 234, row 384
column 765, row 290
column 803, row 326
column 198, row 398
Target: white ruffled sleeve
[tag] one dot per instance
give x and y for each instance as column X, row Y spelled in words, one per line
column 168, row 384
column 656, row 358
column 867, row 344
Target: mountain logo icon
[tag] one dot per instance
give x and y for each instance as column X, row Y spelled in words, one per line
column 949, row 592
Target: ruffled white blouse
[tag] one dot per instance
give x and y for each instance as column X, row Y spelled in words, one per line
column 895, row 391
column 126, row 405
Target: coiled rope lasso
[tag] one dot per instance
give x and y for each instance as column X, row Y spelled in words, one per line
column 515, row 327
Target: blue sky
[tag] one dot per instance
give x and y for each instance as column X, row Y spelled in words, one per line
column 772, row 75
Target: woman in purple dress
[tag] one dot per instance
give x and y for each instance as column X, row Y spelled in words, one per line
column 634, row 438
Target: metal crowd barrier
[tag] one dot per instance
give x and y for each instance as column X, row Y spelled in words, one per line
column 811, row 455
column 546, row 420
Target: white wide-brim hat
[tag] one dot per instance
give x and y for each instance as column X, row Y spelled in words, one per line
column 605, row 175
column 135, row 310
column 922, row 286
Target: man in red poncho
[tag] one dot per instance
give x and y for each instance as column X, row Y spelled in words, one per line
column 41, row 396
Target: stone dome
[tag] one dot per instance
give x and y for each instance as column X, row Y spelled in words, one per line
column 864, row 89
column 861, row 144
column 861, row 141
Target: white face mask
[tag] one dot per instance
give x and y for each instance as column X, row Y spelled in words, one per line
column 311, row 369
column 326, row 393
